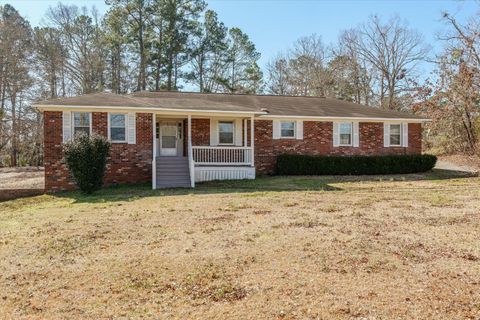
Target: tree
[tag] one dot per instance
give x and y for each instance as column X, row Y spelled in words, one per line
column 116, row 40
column 15, row 79
column 50, row 55
column 179, row 18
column 393, row 50
column 208, row 50
column 138, row 15
column 82, row 37
column 453, row 101
column 242, row 74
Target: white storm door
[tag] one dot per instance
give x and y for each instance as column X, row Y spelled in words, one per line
column 168, row 139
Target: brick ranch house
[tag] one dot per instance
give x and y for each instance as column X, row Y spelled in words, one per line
column 174, row 139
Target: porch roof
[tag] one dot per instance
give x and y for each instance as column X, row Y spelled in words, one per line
column 268, row 106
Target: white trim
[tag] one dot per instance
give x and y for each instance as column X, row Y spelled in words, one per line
column 299, row 130
column 209, row 173
column 330, row 119
column 66, row 126
column 356, row 135
column 154, row 160
column 386, row 134
column 252, row 141
column 109, row 127
column 131, row 134
column 276, row 129
column 405, row 134
column 149, row 109
column 260, row 114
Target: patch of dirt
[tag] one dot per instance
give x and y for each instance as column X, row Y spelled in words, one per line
column 466, row 163
column 22, row 178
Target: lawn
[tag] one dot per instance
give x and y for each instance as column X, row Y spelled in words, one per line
column 403, row 246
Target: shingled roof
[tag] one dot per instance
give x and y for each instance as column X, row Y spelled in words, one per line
column 267, row 105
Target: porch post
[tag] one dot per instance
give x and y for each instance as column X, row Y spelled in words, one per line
column 154, row 156
column 252, row 140
column 189, row 121
column 245, row 133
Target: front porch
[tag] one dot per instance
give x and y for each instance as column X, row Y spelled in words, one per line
column 201, row 148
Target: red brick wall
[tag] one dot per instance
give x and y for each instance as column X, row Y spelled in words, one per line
column 200, row 132
column 57, row 177
column 318, row 140
column 127, row 163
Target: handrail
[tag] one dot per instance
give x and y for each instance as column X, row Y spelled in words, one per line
column 222, row 147
column 191, row 164
column 222, row 155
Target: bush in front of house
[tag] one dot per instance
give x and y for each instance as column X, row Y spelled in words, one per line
column 86, row 158
column 288, row 164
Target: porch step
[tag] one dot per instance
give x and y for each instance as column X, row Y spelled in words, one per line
column 172, row 172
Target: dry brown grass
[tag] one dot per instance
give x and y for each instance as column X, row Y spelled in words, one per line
column 277, row 248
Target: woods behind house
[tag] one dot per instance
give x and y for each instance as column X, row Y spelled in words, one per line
column 183, row 45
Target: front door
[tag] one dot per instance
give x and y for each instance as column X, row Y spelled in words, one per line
column 168, row 138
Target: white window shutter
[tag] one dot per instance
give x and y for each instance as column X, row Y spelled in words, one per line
column 336, row 136
column 131, row 130
column 213, row 132
column 386, row 135
column 356, row 135
column 67, row 126
column 299, row 127
column 405, row 134
column 238, row 132
column 276, row 129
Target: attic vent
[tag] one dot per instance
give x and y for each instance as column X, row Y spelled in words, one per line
column 264, row 110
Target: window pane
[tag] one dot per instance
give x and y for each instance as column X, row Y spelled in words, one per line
column 225, row 127
column 395, row 134
column 345, row 128
column 395, row 140
column 81, row 130
column 117, row 134
column 287, row 129
column 225, row 132
column 117, row 120
column 169, row 142
column 226, row 137
column 395, row 129
column 345, row 139
column 81, row 119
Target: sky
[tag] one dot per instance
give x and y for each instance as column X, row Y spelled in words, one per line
column 274, row 25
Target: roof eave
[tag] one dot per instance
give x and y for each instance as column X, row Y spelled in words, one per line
column 49, row 107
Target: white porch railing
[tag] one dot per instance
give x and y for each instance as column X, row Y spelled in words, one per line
column 222, row 155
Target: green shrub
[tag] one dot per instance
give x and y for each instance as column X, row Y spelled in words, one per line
column 86, row 158
column 288, row 164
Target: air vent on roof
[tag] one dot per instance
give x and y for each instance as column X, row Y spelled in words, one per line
column 264, row 110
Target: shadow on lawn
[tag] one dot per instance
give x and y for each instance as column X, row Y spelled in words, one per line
column 261, row 184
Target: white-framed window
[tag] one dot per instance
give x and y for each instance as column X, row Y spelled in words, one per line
column 226, row 131
column 287, row 129
column 345, row 131
column 117, row 127
column 82, row 123
column 396, row 135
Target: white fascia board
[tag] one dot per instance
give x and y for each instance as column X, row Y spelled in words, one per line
column 170, row 111
column 358, row 119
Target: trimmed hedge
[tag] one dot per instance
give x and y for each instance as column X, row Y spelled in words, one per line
column 288, row 164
